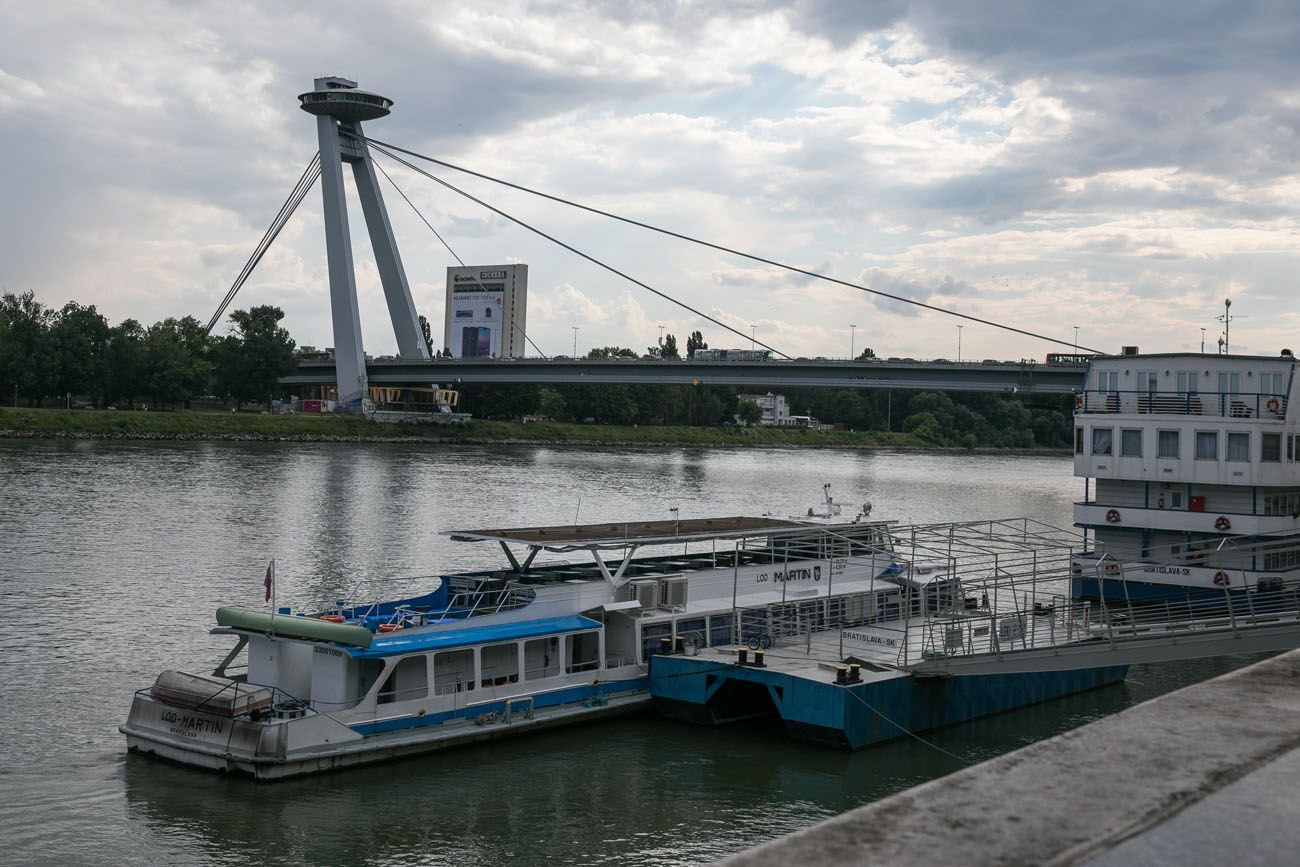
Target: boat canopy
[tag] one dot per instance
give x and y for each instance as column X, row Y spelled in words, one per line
column 576, row 536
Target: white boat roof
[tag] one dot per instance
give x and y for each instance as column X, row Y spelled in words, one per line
column 637, row 532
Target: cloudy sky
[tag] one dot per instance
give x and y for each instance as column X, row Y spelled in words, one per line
column 1116, row 166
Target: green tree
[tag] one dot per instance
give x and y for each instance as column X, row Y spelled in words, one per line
column 125, row 362
column 611, row 352
column 550, row 403
column 26, row 357
column 78, row 341
column 177, row 365
column 693, row 342
column 251, row 359
column 749, row 413
column 427, row 331
column 866, row 353
column 669, row 349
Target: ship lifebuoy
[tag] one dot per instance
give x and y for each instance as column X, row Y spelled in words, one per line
column 1273, row 405
column 332, row 618
column 1112, row 568
column 389, row 627
column 1222, row 523
column 1078, row 401
column 1112, row 516
column 1220, row 579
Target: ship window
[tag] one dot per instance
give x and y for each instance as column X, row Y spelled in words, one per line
column 1187, row 382
column 1108, row 380
column 1130, row 443
column 408, row 681
column 1168, row 444
column 542, row 657
column 1175, row 499
column 650, row 635
column 1270, row 447
column 1290, row 447
column 1078, row 441
column 692, row 630
column 1238, row 447
column 1207, row 445
column 453, row 671
column 719, row 630
column 1271, row 383
column 1101, row 437
column 499, row 664
column 1146, row 380
column 582, row 651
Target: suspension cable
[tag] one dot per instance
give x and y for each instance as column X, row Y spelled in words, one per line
column 299, row 192
column 382, row 149
column 721, row 248
column 454, row 254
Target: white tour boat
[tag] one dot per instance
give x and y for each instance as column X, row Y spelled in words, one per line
column 1192, row 486
column 490, row 653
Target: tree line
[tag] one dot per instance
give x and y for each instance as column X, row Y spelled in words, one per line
column 73, row 351
column 962, row 419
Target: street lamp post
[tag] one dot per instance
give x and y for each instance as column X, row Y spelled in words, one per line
column 959, row 343
column 661, row 335
column 853, row 333
column 753, row 332
column 1076, row 340
column 575, row 340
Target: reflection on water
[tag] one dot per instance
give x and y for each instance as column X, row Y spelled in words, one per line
column 114, row 556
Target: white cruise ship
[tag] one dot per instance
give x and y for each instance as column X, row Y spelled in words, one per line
column 1189, row 462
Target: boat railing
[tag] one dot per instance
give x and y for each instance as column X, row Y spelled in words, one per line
column 1227, row 404
column 478, row 602
column 282, row 704
column 1182, row 610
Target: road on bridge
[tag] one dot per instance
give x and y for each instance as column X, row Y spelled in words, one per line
column 1023, row 378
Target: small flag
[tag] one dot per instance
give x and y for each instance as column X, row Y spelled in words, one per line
column 269, row 580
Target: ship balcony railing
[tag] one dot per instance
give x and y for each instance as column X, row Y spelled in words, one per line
column 1268, row 407
column 1223, row 523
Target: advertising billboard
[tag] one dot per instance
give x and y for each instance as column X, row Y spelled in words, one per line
column 486, row 309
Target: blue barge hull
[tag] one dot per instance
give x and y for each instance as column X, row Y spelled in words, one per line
column 852, row 716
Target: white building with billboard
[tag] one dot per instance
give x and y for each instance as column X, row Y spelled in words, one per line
column 487, row 311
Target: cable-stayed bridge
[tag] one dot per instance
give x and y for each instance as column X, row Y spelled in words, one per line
column 340, row 108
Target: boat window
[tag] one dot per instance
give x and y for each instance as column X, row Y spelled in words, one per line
column 499, row 664
column 1130, row 443
column 1270, row 447
column 1175, row 499
column 582, row 651
column 1168, row 444
column 1108, row 380
column 1101, row 437
column 692, row 629
column 1146, row 380
column 1078, row 441
column 1238, row 447
column 720, row 630
column 1187, row 382
column 1290, row 447
column 409, row 680
column 1207, row 445
column 1271, row 384
column 370, row 671
column 650, row 635
column 453, row 671
column 542, row 657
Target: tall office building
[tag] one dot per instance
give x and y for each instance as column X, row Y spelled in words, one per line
column 487, row 311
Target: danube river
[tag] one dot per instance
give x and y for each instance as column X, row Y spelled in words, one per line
column 113, row 557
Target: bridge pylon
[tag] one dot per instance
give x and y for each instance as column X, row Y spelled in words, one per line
column 340, row 108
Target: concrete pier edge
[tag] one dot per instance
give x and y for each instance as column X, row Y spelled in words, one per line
column 1070, row 797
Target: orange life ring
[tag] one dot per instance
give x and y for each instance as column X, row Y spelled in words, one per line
column 1112, row 568
column 1220, row 579
column 332, row 618
column 1112, row 516
column 1078, row 401
column 1222, row 523
column 1273, row 405
column 389, row 627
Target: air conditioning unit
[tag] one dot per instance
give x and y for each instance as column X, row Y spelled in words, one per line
column 646, row 592
column 672, row 593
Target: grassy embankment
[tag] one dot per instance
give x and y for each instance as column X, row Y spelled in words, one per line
column 124, row 424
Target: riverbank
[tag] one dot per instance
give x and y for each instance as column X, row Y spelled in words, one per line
column 24, row 423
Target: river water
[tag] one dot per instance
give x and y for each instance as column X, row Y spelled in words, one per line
column 113, row 557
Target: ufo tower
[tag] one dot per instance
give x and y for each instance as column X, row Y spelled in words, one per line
column 340, row 108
